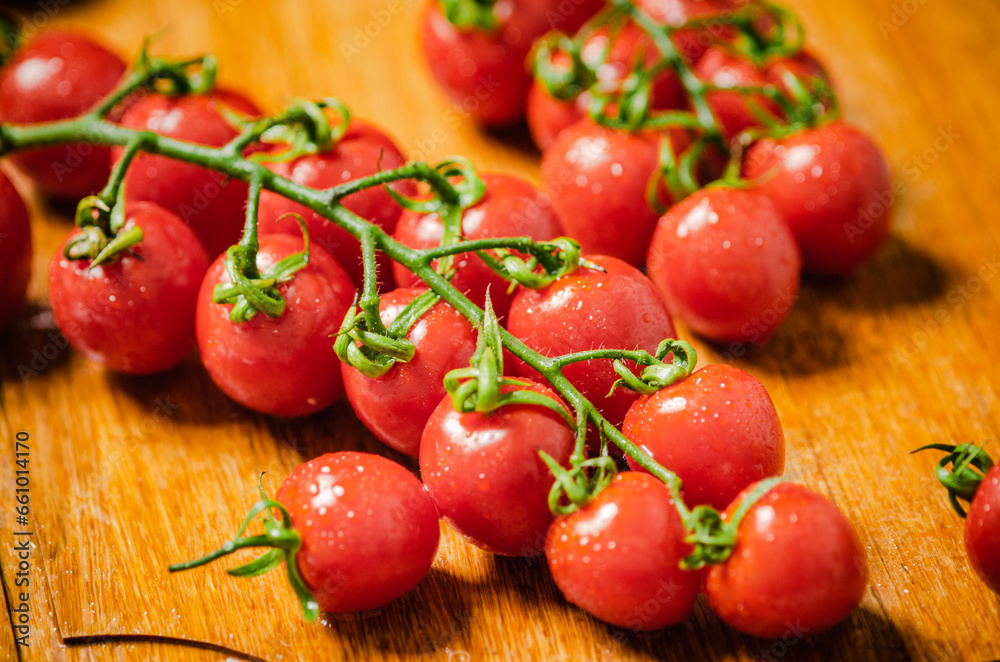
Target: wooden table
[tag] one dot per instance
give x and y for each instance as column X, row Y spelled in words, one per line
column 129, row 475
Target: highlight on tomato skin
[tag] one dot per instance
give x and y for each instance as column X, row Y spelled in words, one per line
column 15, row 252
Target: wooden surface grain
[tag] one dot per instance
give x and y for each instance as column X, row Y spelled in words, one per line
column 131, row 474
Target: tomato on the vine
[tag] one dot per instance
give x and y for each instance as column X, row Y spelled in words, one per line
column 727, row 264
column 693, row 41
column 396, row 406
column 363, row 150
column 735, row 111
column 833, row 188
column 59, row 74
column 717, row 429
column 982, row 530
column 797, row 561
column 134, row 314
column 369, row 529
column 15, row 251
column 618, row 557
column 600, row 180
column 208, row 201
column 591, row 309
column 511, row 207
column 485, row 475
column 283, row 366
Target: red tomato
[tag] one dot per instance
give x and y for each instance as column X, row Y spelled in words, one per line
column 732, row 109
column 284, row 366
column 60, row 74
column 617, row 558
column 588, row 309
column 717, row 429
column 396, row 406
column 511, row 207
column 202, row 198
column 726, row 264
column 797, row 563
column 803, row 66
column 362, row 151
column 692, row 42
column 833, row 187
column 982, row 530
column 136, row 314
column 484, row 73
column 15, row 252
column 598, row 179
column 369, row 529
column 484, row 473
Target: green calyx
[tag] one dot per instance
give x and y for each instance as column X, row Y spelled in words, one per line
column 10, row 36
column 657, row 375
column 548, row 261
column 562, row 81
column 961, row 471
column 304, row 128
column 283, row 541
column 468, row 15
column 176, row 77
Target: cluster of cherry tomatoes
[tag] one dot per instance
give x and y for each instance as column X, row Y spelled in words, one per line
column 149, row 272
column 695, row 138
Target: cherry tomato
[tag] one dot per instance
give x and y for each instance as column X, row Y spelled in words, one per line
column 588, row 309
column 617, row 558
column 511, row 207
column 611, row 58
column 797, row 563
column 362, row 151
column 982, row 530
column 717, row 429
column 56, row 75
column 691, row 42
column 204, row 199
column 284, row 366
column 726, row 264
column 833, row 187
column 484, row 473
column 369, row 529
column 396, row 406
column 135, row 314
column 484, row 73
column 733, row 110
column 599, row 179
column 802, row 65
column 15, row 252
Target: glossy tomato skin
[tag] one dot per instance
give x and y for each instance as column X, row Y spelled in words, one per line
column 134, row 315
column 59, row 74
column 717, row 429
column 484, row 473
column 617, row 558
column 284, row 366
column 598, row 179
column 691, row 42
column 733, row 110
column 726, row 264
column 511, row 207
column 363, row 150
column 590, row 309
column 212, row 206
column 396, row 406
column 833, row 187
column 15, row 252
column 797, row 562
column 369, row 529
column 982, row 530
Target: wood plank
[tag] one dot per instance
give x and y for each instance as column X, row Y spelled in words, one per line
column 133, row 474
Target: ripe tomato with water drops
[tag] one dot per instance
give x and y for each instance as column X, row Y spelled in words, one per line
column 618, row 557
column 982, row 530
column 15, row 252
column 134, row 314
column 363, row 150
column 591, row 309
column 511, row 207
column 797, row 560
column 284, row 366
column 833, row 188
column 56, row 75
column 726, row 264
column 396, row 406
column 735, row 111
column 369, row 529
column 717, row 429
column 209, row 202
column 485, row 475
